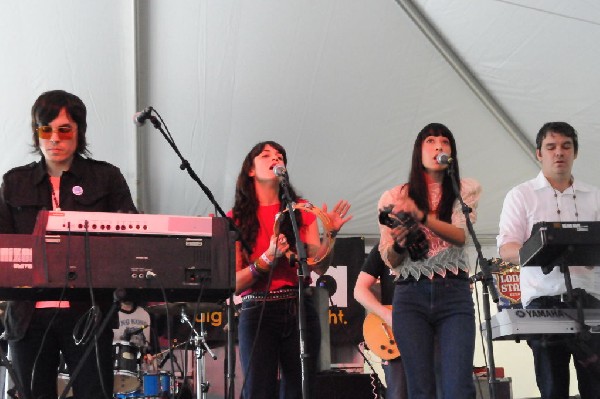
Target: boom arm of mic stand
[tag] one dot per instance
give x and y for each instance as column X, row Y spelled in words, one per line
column 488, row 286
column 185, row 165
column 303, row 271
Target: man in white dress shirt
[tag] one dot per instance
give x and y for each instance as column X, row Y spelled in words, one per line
column 554, row 196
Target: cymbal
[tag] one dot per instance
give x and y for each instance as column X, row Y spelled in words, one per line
column 175, row 308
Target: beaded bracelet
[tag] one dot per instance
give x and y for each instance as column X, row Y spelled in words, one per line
column 262, row 266
column 254, row 271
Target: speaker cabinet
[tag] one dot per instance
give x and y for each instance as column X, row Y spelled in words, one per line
column 503, row 388
column 343, row 386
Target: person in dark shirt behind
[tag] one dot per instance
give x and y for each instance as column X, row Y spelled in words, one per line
column 372, row 270
column 65, row 178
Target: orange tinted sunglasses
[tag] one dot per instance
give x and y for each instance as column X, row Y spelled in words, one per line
column 64, row 132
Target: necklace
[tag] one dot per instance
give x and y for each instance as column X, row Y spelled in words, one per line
column 54, row 187
column 55, row 201
column 574, row 203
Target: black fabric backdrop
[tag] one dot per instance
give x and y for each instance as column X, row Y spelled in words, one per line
column 347, row 329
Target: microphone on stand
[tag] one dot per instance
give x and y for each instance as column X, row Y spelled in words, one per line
column 280, row 171
column 128, row 334
column 444, row 159
column 140, row 118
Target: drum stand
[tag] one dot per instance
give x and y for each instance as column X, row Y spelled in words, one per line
column 201, row 347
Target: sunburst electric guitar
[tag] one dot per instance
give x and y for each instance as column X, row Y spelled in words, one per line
column 379, row 337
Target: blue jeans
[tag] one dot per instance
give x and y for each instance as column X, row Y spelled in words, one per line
column 277, row 351
column 552, row 355
column 424, row 310
column 395, row 379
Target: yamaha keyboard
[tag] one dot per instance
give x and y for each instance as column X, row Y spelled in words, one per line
column 517, row 324
column 192, row 258
column 577, row 243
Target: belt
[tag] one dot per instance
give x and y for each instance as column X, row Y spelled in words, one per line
column 277, row 295
column 462, row 275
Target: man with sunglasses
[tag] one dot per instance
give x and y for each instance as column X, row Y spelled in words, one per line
column 65, row 178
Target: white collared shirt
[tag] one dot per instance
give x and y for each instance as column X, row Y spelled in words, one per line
column 534, row 201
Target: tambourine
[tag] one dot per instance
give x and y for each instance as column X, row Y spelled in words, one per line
column 328, row 234
column 416, row 240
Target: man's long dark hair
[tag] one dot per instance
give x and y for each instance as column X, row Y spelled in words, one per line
column 47, row 107
column 246, row 203
column 417, row 185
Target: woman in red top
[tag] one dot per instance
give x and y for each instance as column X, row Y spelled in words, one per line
column 269, row 337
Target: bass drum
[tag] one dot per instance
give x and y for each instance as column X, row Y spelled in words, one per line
column 126, row 358
column 155, row 385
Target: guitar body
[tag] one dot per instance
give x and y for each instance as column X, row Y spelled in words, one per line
column 379, row 337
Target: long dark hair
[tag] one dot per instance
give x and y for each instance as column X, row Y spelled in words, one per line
column 246, row 202
column 47, row 107
column 417, row 185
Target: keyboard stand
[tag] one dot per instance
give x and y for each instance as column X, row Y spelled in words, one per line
column 578, row 344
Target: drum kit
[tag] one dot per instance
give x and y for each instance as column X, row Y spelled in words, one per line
column 137, row 376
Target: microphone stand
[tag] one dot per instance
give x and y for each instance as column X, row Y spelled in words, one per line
column 201, row 348
column 303, row 271
column 488, row 286
column 185, row 165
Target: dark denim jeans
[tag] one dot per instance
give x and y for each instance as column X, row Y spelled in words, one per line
column 395, row 379
column 424, row 310
column 552, row 355
column 59, row 339
column 277, row 352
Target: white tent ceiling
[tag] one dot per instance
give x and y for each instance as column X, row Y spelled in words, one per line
column 343, row 85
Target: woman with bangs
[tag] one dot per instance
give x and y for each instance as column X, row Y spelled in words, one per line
column 432, row 299
column 268, row 281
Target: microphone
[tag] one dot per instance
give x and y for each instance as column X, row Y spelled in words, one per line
column 444, row 159
column 139, row 118
column 280, row 170
column 128, row 334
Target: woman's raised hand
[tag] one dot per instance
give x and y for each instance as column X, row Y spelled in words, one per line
column 338, row 215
